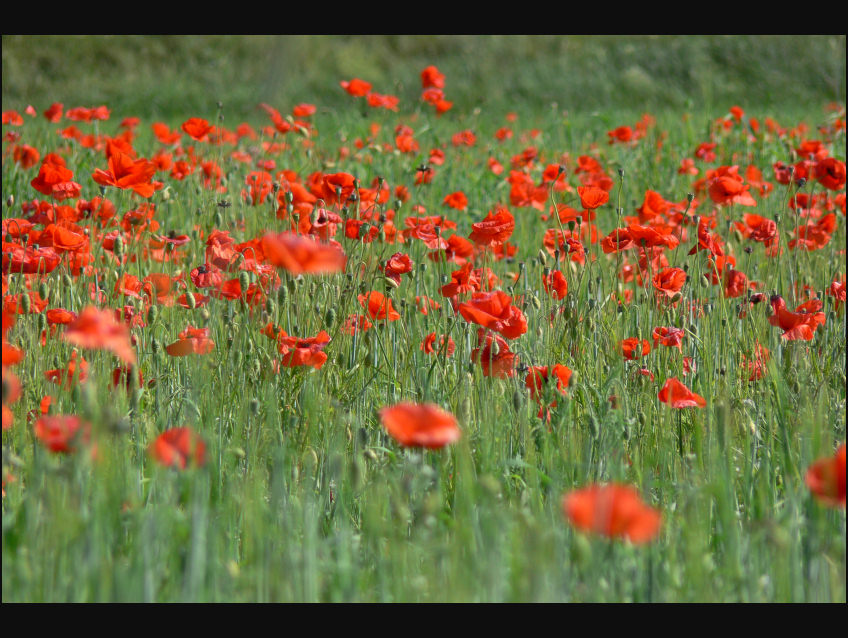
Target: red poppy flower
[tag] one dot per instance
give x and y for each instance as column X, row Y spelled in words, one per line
column 798, row 325
column 298, row 351
column 670, row 337
column 52, row 177
column 555, row 284
column 125, row 172
column 98, row 329
column 197, row 128
column 76, row 372
column 826, row 479
column 496, row 228
column 632, row 348
column 494, row 356
column 669, row 281
column 830, row 173
column 378, row 306
column 420, row 425
column 62, row 433
column 337, row 187
column 303, row 110
column 457, row 201
column 538, row 376
column 615, row 511
column 379, row 101
column 191, row 341
column 678, row 395
column 356, row 323
column 26, row 156
column 494, row 310
column 54, row 113
column 592, row 197
column 27, row 260
column 397, row 265
column 428, row 345
column 432, row 77
column 179, row 447
column 837, row 291
column 356, row 87
column 727, row 187
column 299, row 255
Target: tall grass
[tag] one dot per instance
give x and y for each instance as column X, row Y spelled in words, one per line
column 305, row 497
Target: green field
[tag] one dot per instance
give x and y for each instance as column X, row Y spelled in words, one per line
column 294, row 487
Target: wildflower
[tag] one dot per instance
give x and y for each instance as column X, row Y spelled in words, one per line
column 632, row 348
column 798, row 325
column 677, row 395
column 98, row 329
column 496, row 228
column 191, row 341
column 494, row 310
column 179, row 447
column 378, row 306
column 826, row 479
column 615, row 511
column 300, row 255
column 62, row 433
column 420, row 425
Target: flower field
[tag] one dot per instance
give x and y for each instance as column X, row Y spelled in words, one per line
column 397, row 352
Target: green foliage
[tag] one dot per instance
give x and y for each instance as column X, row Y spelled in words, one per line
column 183, row 76
column 304, row 496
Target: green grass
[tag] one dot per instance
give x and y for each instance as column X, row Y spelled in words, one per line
column 184, row 76
column 304, row 496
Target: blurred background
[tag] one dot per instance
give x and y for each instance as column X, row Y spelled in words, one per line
column 181, row 76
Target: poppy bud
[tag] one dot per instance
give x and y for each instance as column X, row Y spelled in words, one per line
column 621, row 173
column 26, row 303
column 244, row 280
column 517, row 400
column 191, row 302
column 67, row 282
column 690, row 197
column 43, row 290
column 594, row 427
column 155, row 346
column 495, row 349
column 10, row 201
column 42, row 321
column 677, row 297
column 152, row 313
column 282, row 295
column 543, row 258
column 398, row 204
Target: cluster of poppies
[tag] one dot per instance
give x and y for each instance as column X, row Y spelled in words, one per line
column 328, row 215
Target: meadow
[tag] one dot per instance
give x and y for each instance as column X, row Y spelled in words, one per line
column 434, row 330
